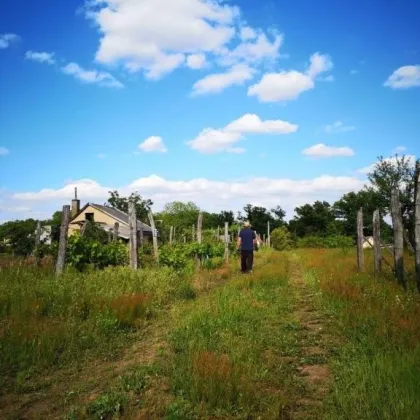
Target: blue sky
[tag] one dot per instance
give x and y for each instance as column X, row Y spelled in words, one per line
column 222, row 103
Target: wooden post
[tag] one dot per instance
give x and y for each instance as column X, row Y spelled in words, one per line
column 154, row 231
column 62, row 245
column 200, row 228
column 398, row 236
column 417, row 232
column 174, row 235
column 116, row 231
column 360, row 255
column 171, row 233
column 38, row 243
column 226, row 241
column 185, row 239
column 132, row 223
column 193, row 233
column 377, row 242
column 268, row 234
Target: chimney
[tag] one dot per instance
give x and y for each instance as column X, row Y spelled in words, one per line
column 75, row 204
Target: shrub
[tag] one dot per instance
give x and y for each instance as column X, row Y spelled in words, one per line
column 281, row 239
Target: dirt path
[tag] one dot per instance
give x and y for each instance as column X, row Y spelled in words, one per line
column 315, row 343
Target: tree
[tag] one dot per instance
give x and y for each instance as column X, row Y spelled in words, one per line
column 281, row 239
column 179, row 214
column 316, row 219
column 400, row 172
column 19, row 236
column 121, row 203
column 260, row 216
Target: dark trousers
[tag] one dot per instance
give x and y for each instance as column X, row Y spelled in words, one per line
column 247, row 261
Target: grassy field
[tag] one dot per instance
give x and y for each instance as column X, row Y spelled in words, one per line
column 304, row 337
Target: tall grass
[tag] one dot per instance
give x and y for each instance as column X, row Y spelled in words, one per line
column 47, row 322
column 377, row 369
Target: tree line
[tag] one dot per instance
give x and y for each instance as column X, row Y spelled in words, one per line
column 320, row 219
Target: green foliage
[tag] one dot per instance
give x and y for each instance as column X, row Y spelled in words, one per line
column 260, row 216
column 19, row 236
column 281, row 239
column 334, row 241
column 121, row 203
column 82, row 251
column 106, row 406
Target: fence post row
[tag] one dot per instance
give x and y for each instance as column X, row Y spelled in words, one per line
column 360, row 255
column 398, row 236
column 377, row 242
column 62, row 245
column 132, row 222
column 417, row 231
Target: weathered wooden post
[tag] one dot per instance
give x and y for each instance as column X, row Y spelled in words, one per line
column 132, row 223
column 417, row 232
column 171, row 233
column 174, row 235
column 226, row 241
column 116, row 231
column 268, row 234
column 199, row 235
column 38, row 243
column 377, row 242
column 62, row 245
column 360, row 255
column 398, row 236
column 154, row 232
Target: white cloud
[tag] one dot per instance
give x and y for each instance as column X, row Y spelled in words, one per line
column 393, row 160
column 153, row 144
column 247, row 33
column 196, row 61
column 338, row 127
column 7, row 39
column 288, row 85
column 40, row 57
column 400, row 149
column 212, row 140
column 323, row 151
column 208, row 194
column 405, row 77
column 215, row 83
column 167, row 28
column 91, row 76
column 4, row 151
column 252, row 124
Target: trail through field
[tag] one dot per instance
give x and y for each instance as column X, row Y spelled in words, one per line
column 248, row 346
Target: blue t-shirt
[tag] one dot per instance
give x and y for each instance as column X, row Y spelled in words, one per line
column 247, row 239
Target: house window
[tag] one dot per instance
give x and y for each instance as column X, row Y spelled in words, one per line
column 89, row 217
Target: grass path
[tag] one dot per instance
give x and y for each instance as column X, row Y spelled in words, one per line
column 248, row 347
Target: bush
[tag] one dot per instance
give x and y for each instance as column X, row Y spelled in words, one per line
column 281, row 239
column 333, row 241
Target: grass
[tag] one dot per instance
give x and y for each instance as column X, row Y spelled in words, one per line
column 377, row 369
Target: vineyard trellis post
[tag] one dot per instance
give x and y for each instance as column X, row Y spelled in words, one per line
column 398, row 237
column 193, row 233
column 360, row 255
column 116, row 231
column 226, row 241
column 62, row 245
column 199, row 235
column 132, row 223
column 377, row 242
column 154, row 235
column 171, row 233
column 417, row 231
column 38, row 243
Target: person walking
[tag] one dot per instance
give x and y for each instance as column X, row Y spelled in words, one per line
column 246, row 242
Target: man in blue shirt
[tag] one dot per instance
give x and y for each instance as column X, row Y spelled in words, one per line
column 246, row 243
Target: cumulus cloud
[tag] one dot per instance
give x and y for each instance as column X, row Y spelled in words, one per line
column 338, row 127
column 288, row 85
column 404, row 77
column 208, row 194
column 323, row 151
column 196, row 61
column 247, row 33
column 153, row 144
column 4, row 151
column 91, row 76
column 212, row 140
column 393, row 160
column 7, row 39
column 40, row 57
column 215, row 83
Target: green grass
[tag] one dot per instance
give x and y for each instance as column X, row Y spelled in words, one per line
column 377, row 367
